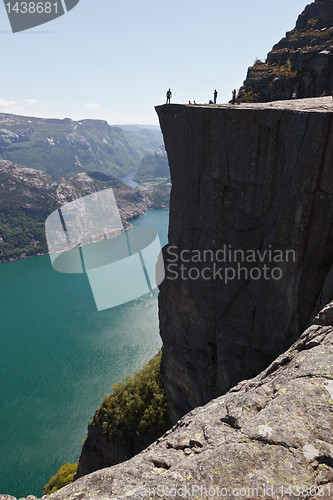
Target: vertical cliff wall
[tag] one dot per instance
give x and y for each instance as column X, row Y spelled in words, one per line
column 256, row 179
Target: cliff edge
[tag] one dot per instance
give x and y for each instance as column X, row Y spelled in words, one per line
column 250, row 253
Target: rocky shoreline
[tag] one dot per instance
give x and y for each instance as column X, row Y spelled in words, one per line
column 28, row 195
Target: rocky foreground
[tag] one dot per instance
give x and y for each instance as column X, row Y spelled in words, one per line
column 268, row 437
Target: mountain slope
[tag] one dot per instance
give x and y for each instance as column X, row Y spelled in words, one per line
column 64, row 147
column 301, row 62
column 147, row 138
column 153, row 167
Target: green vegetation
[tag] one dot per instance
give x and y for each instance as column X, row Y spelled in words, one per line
column 22, row 232
column 136, row 412
column 286, row 70
column 153, row 167
column 249, row 96
column 156, row 180
column 64, row 476
column 312, row 22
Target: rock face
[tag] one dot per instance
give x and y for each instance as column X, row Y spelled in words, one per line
column 308, row 48
column 255, row 180
column 99, row 451
column 269, row 437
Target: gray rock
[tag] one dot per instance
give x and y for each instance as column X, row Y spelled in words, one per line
column 269, row 432
column 308, row 47
column 271, row 189
column 325, row 317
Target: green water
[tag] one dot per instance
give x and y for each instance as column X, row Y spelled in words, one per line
column 58, row 356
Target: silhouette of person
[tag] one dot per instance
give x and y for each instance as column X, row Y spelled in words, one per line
column 168, row 96
column 215, row 96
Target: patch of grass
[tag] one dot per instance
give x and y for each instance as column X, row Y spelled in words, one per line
column 286, row 70
column 312, row 22
column 156, row 180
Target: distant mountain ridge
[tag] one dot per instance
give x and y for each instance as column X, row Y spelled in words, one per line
column 28, row 196
column 62, row 148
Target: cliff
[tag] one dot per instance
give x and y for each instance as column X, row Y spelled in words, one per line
column 257, row 178
column 250, row 252
column 302, row 61
column 269, row 437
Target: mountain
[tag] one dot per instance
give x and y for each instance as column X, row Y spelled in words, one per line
column 247, row 335
column 62, row 148
column 147, row 138
column 28, row 196
column 154, row 168
column 301, row 62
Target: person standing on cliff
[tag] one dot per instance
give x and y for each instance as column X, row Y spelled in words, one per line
column 215, row 96
column 168, row 96
column 234, row 93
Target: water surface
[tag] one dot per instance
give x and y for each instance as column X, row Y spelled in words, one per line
column 128, row 179
column 58, row 356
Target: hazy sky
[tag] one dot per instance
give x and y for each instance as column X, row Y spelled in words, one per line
column 115, row 59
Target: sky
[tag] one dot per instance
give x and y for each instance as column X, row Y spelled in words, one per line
column 115, row 59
